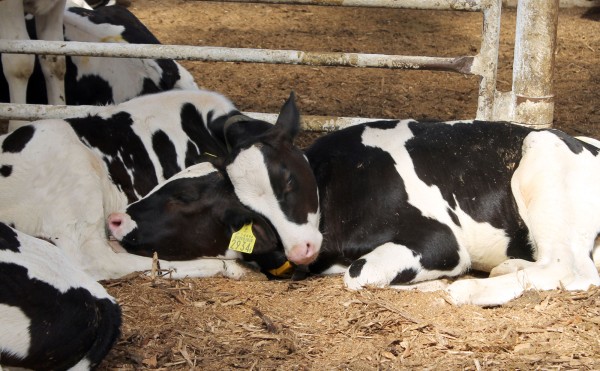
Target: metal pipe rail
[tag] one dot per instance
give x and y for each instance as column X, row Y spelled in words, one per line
column 465, row 5
column 222, row 54
column 483, row 64
column 29, row 112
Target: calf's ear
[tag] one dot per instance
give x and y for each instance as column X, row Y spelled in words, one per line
column 236, row 217
column 287, row 125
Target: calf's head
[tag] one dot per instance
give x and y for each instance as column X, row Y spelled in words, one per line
column 191, row 215
column 273, row 178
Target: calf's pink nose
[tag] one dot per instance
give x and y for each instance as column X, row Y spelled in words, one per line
column 304, row 253
column 115, row 220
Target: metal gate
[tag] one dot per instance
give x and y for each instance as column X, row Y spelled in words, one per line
column 530, row 102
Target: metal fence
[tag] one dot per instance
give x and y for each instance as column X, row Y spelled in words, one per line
column 530, row 102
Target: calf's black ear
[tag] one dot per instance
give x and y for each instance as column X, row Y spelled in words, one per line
column 287, row 125
column 236, row 217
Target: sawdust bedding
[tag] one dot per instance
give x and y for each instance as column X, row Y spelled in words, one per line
column 216, row 323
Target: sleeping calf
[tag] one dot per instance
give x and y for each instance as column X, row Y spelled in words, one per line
column 405, row 202
column 52, row 314
column 60, row 179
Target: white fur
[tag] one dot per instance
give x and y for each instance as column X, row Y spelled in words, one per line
column 18, row 68
column 382, row 265
column 82, row 365
column 78, row 4
column 47, row 263
column 127, row 224
column 556, row 195
column 14, row 337
column 588, row 140
column 125, row 75
column 335, row 269
column 194, row 171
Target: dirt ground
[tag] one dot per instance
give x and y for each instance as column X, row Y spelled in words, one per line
column 216, row 324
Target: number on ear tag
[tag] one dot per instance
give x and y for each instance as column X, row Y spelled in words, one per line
column 243, row 240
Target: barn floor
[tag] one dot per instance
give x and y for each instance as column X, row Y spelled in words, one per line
column 217, row 324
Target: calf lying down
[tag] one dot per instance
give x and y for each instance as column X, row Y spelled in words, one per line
column 406, row 202
column 53, row 316
column 60, row 179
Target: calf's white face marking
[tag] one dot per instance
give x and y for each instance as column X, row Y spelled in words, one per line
column 250, row 178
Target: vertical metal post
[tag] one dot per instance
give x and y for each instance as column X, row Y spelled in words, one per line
column 535, row 43
column 486, row 63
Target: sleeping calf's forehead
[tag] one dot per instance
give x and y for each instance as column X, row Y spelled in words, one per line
column 196, row 171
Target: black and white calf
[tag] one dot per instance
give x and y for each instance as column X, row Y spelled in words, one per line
column 101, row 81
column 17, row 68
column 60, row 179
column 406, row 202
column 53, row 316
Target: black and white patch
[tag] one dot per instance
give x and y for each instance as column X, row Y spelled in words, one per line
column 52, row 315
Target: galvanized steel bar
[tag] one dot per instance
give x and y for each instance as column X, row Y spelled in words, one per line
column 220, row 54
column 317, row 123
column 464, row 5
column 30, row 112
column 535, row 43
column 486, row 62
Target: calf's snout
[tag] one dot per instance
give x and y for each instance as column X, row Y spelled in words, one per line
column 303, row 253
column 119, row 225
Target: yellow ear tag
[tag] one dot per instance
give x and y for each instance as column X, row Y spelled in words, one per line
column 243, row 240
column 286, row 269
